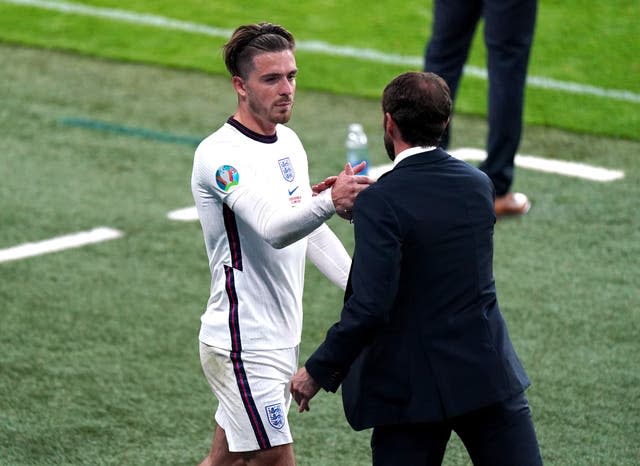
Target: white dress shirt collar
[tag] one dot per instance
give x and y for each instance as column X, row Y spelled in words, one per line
column 411, row 151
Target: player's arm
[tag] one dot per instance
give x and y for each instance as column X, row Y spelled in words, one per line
column 279, row 226
column 282, row 227
column 329, row 255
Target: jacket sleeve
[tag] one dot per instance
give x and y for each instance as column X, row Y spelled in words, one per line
column 371, row 291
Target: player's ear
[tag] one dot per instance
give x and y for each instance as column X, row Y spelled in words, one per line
column 389, row 124
column 239, row 85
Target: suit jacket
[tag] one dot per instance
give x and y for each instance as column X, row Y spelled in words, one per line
column 420, row 337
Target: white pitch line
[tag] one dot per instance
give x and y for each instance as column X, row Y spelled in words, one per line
column 313, row 46
column 73, row 240
column 559, row 167
column 188, row 214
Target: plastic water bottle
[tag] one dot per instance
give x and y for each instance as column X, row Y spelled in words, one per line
column 357, row 147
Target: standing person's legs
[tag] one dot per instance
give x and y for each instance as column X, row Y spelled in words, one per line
column 410, row 444
column 220, row 455
column 508, row 32
column 500, row 435
column 252, row 388
column 454, row 24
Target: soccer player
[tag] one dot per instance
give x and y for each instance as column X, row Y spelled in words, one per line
column 260, row 219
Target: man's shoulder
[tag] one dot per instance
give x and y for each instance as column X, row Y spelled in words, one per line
column 467, row 168
column 287, row 135
column 225, row 140
column 282, row 129
column 375, row 196
column 422, row 169
column 226, row 132
column 474, row 172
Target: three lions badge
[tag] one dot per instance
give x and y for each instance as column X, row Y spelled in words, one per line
column 287, row 169
column 276, row 416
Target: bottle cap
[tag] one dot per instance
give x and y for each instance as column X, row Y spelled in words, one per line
column 355, row 127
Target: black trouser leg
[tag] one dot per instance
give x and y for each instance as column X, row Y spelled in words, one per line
column 411, row 444
column 500, row 435
column 508, row 34
column 454, row 24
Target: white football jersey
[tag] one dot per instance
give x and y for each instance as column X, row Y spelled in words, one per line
column 256, row 290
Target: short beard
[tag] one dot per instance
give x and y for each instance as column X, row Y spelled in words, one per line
column 281, row 118
column 269, row 114
column 388, row 145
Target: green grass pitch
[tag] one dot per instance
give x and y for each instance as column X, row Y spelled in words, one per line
column 98, row 345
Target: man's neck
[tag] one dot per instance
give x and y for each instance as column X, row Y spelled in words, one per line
column 399, row 145
column 256, row 125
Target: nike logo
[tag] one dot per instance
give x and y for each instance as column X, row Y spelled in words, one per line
column 291, row 191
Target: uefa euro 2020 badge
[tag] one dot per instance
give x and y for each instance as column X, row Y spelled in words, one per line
column 287, row 169
column 227, row 177
column 275, row 414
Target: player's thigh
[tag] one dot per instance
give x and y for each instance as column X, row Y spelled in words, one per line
column 220, row 455
column 252, row 388
column 281, row 455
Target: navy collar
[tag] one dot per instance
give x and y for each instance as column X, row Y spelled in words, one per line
column 252, row 134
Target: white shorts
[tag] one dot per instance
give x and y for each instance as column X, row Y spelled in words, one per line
column 252, row 388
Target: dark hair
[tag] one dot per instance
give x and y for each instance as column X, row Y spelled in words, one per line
column 420, row 105
column 253, row 39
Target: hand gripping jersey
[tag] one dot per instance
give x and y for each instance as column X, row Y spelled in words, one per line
column 255, row 205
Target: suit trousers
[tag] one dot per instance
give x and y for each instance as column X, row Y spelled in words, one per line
column 508, row 36
column 498, row 435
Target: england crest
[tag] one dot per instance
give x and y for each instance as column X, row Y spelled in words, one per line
column 276, row 416
column 287, row 169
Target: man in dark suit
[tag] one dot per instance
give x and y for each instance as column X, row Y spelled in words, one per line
column 421, row 348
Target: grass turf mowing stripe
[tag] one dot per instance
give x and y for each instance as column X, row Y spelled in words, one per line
column 60, row 243
column 315, row 46
column 130, row 131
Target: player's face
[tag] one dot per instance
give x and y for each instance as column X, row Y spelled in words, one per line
column 270, row 87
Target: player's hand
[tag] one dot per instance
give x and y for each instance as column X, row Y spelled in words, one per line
column 303, row 388
column 358, row 168
column 346, row 187
column 325, row 184
column 330, row 180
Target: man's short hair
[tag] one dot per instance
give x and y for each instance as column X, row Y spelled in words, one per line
column 253, row 39
column 420, row 105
